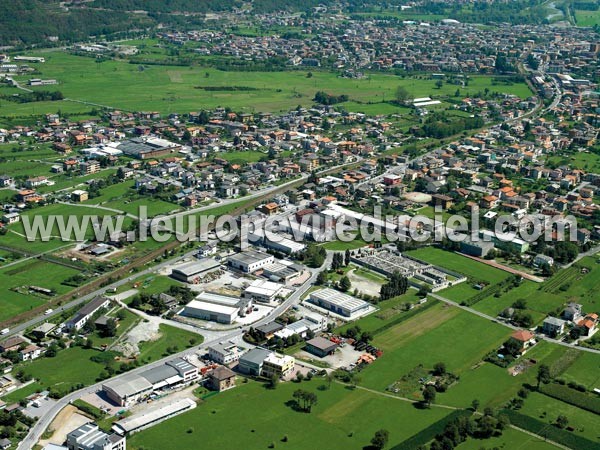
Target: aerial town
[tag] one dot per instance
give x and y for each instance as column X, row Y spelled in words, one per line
column 265, row 226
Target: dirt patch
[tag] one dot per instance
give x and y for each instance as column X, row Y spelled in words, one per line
column 66, row 421
column 175, row 76
column 364, row 285
column 143, row 332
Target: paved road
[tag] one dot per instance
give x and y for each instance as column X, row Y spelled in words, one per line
column 38, row 429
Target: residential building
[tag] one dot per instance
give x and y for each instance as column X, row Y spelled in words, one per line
column 221, row 379
column 278, row 365
column 83, row 315
column 553, row 326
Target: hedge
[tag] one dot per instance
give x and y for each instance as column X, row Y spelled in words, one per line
column 428, row 434
column 549, row 431
column 571, row 396
column 87, row 408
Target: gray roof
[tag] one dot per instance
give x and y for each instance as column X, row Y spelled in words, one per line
column 270, row 327
column 255, row 356
column 194, row 267
column 159, row 373
column 322, row 344
column 128, row 385
column 554, row 321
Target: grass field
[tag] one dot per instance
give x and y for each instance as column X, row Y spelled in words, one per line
column 242, row 157
column 31, row 272
column 548, row 409
column 389, row 311
column 173, row 88
column 172, row 337
column 510, row 439
column 441, row 333
column 73, row 366
column 587, row 18
column 539, row 304
column 24, row 392
column 69, row 368
column 342, row 419
column 580, row 160
column 585, row 370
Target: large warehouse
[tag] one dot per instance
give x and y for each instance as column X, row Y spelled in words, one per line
column 132, row 387
column 338, row 302
column 192, row 272
column 250, row 261
column 210, row 311
column 152, row 415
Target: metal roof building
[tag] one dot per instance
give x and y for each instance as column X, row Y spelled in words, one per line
column 210, row 311
column 152, row 416
column 191, row 272
column 337, row 302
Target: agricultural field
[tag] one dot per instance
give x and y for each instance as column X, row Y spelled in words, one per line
column 547, row 409
column 389, row 312
column 587, row 18
column 441, row 333
column 539, row 301
column 510, row 439
column 26, row 273
column 341, row 419
column 585, row 370
column 168, row 89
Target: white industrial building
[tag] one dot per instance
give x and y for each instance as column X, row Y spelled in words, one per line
column 263, row 291
column 250, row 261
column 338, row 302
column 152, row 415
column 210, row 311
column 192, row 272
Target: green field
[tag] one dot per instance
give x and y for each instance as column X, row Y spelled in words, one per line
column 342, row 419
column 171, row 337
column 587, row 18
column 24, row 392
column 585, row 160
column 72, row 366
column 389, row 312
column 585, row 370
column 173, row 88
column 243, row 157
column 441, row 333
column 548, row 409
column 68, row 368
column 26, row 273
column 539, row 303
column 510, row 439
